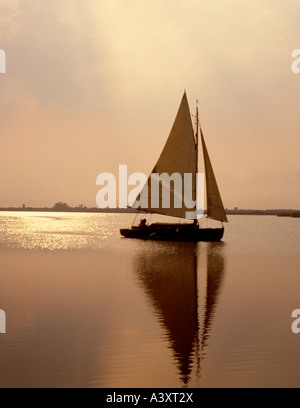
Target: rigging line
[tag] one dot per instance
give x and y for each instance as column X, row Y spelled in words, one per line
column 138, row 213
column 151, row 215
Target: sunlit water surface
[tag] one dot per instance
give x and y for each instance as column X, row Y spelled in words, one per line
column 86, row 308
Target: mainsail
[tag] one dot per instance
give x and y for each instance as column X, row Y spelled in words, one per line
column 163, row 193
column 215, row 207
column 179, row 157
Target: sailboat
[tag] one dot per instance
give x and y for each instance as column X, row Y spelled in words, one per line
column 180, row 156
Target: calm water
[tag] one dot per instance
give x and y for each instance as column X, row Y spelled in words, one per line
column 86, row 308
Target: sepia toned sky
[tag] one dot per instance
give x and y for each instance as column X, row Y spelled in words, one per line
column 92, row 84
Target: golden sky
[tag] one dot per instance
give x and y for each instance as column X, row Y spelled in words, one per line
column 92, row 84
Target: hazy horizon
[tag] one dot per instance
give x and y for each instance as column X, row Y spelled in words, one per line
column 94, row 85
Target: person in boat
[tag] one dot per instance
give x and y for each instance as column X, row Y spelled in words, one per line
column 143, row 223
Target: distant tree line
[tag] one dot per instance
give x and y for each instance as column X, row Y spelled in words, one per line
column 65, row 207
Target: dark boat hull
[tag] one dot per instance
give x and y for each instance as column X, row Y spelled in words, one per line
column 174, row 232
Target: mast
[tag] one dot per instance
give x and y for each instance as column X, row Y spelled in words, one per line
column 196, row 222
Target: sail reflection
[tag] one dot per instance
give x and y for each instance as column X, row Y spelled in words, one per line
column 169, row 274
column 215, row 278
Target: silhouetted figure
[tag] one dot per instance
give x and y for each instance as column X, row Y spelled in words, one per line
column 143, row 223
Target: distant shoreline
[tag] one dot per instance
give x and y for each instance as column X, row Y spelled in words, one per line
column 70, row 210
column 278, row 213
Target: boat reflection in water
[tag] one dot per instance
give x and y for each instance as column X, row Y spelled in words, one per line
column 170, row 275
